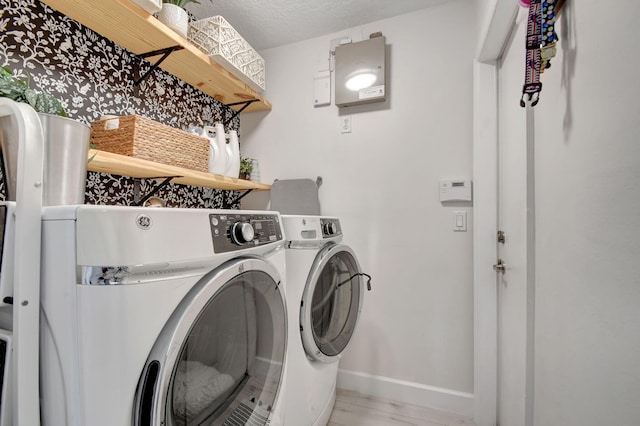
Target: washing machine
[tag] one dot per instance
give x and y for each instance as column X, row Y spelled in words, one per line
column 158, row 316
column 325, row 289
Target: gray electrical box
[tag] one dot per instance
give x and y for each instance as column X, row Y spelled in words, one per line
column 360, row 72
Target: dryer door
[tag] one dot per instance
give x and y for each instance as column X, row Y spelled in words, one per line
column 220, row 357
column 331, row 303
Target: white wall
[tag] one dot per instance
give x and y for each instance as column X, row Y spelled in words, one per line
column 416, row 329
column 587, row 350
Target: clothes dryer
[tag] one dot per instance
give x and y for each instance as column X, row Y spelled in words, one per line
column 325, row 287
column 157, row 316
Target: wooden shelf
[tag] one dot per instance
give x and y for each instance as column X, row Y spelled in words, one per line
column 122, row 165
column 134, row 29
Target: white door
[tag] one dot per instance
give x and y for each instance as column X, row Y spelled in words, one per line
column 515, row 220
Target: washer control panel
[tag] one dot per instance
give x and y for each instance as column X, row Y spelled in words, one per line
column 237, row 231
column 330, row 227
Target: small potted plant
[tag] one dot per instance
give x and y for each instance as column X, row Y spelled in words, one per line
column 246, row 167
column 174, row 16
column 65, row 143
column 19, row 91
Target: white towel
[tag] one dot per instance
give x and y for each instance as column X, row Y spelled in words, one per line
column 196, row 386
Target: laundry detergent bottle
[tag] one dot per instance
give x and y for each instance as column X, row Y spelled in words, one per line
column 218, row 155
column 233, row 148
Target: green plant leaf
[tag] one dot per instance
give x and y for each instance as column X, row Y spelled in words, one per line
column 48, row 104
column 11, row 90
column 5, row 73
column 31, row 97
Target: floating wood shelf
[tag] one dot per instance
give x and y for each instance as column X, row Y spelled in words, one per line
column 107, row 162
column 134, row 29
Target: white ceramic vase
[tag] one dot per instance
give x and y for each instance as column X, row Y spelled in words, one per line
column 175, row 18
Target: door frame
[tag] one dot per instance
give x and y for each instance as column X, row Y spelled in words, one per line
column 496, row 26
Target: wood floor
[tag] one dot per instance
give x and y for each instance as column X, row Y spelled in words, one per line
column 354, row 409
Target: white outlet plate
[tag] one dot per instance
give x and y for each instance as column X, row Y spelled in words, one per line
column 345, row 124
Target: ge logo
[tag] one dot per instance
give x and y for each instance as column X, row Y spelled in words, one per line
column 143, row 221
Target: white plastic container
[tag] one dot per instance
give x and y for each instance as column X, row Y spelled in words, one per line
column 218, row 155
column 233, row 148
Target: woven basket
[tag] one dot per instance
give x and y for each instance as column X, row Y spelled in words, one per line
column 140, row 137
column 218, row 39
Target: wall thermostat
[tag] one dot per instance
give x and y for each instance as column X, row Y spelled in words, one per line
column 455, row 190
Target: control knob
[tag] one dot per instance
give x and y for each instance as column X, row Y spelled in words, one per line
column 330, row 228
column 242, row 232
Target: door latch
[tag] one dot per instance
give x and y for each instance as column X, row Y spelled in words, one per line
column 500, row 266
column 500, row 237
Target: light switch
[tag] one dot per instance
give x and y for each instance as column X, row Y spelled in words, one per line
column 460, row 220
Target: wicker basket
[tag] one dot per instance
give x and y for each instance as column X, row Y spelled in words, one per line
column 218, row 39
column 140, row 137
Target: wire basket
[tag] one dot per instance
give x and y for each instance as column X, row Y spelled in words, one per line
column 143, row 138
column 218, row 39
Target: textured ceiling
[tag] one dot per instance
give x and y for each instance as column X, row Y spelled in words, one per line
column 270, row 23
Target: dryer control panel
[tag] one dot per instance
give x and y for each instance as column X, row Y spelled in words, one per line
column 237, row 231
column 330, row 227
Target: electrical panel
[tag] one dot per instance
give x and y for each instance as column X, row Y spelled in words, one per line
column 360, row 72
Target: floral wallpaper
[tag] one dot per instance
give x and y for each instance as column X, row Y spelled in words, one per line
column 94, row 76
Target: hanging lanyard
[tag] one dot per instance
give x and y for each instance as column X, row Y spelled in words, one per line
column 532, row 86
column 541, row 47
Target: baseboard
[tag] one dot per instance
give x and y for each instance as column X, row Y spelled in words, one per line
column 447, row 400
